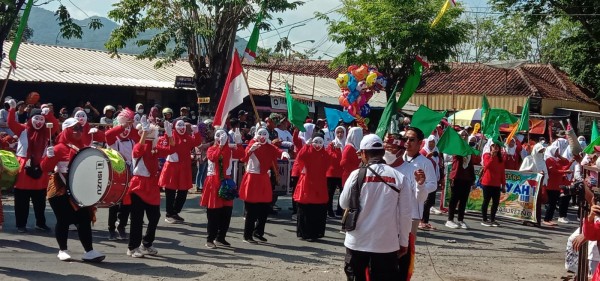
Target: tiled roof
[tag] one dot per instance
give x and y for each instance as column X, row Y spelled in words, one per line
column 319, row 68
column 538, row 80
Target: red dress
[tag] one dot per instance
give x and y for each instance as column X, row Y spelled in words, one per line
column 349, row 162
column 177, row 172
column 256, row 185
column 144, row 182
column 296, row 169
column 556, row 175
column 212, row 183
column 335, row 168
column 512, row 162
column 312, row 185
column 494, row 173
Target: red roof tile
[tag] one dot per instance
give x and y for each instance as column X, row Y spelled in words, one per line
column 319, row 68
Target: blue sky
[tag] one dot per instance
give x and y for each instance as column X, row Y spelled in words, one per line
column 312, row 30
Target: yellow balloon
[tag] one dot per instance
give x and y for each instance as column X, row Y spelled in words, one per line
column 371, row 78
column 342, row 80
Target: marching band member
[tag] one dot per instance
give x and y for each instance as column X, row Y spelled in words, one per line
column 90, row 135
column 66, row 211
column 255, row 189
column 334, row 171
column 220, row 167
column 350, row 160
column 176, row 175
column 143, row 190
column 311, row 193
column 31, row 182
column 121, row 139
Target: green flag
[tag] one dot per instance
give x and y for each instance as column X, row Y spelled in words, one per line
column 411, row 85
column 12, row 55
column 250, row 52
column 386, row 116
column 500, row 116
column 524, row 123
column 451, row 143
column 594, row 130
column 485, row 116
column 426, row 119
column 297, row 111
column 590, row 148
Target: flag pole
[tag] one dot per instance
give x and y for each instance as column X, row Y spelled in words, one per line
column 10, row 68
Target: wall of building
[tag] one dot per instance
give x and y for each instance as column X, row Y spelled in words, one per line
column 548, row 105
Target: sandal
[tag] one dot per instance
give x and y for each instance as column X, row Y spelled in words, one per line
column 548, row 223
column 423, row 226
column 431, row 227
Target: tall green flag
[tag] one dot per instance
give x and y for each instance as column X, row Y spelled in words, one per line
column 386, row 116
column 12, row 55
column 426, row 119
column 590, row 148
column 524, row 123
column 485, row 113
column 452, row 144
column 500, row 116
column 412, row 82
column 297, row 111
column 594, row 131
column 250, row 52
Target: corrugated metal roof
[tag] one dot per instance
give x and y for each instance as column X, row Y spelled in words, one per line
column 44, row 63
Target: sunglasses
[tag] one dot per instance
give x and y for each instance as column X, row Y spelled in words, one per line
column 410, row 139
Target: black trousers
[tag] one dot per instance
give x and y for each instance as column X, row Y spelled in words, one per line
column 429, row 202
column 256, row 219
column 175, row 199
column 459, row 196
column 138, row 208
column 38, row 199
column 493, row 193
column 312, row 219
column 381, row 266
column 120, row 212
column 332, row 185
column 65, row 216
column 563, row 205
column 553, row 198
column 218, row 223
column 293, row 183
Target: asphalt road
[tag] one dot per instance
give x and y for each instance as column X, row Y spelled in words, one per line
column 509, row 252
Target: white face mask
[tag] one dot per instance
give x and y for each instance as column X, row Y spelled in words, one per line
column 389, row 157
column 317, row 143
column 126, row 132
column 140, row 111
column 81, row 117
column 180, row 127
column 38, row 121
column 221, row 137
column 263, row 135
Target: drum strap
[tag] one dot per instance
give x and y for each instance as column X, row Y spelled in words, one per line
column 62, row 177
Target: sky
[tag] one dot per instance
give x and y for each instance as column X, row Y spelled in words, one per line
column 312, row 29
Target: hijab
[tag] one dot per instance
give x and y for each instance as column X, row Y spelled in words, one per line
column 426, row 142
column 550, row 151
column 305, row 136
column 535, row 162
column 337, row 141
column 582, row 142
column 354, row 136
column 511, row 150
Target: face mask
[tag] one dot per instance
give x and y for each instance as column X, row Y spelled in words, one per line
column 317, row 143
column 140, row 111
column 38, row 121
column 81, row 117
column 221, row 137
column 263, row 135
column 87, row 110
column 389, row 157
column 180, row 127
column 126, row 132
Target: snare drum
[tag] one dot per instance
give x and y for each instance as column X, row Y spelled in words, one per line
column 9, row 169
column 98, row 177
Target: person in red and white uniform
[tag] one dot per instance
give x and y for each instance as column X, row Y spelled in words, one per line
column 31, row 182
column 66, row 211
column 218, row 213
column 143, row 187
column 334, row 171
column 176, row 174
column 121, row 138
column 255, row 189
column 350, row 160
column 311, row 193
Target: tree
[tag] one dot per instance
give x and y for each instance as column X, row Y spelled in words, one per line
column 202, row 31
column 389, row 33
column 27, row 33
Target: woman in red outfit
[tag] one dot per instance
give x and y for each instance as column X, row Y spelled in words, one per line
column 144, row 191
column 591, row 224
column 493, row 180
column 299, row 139
column 255, row 189
column 219, row 210
column 176, row 175
column 334, row 171
column 558, row 167
column 511, row 156
column 66, row 211
column 350, row 160
column 90, row 135
column 311, row 193
column 31, row 182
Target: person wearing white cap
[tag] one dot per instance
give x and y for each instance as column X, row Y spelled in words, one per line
column 384, row 197
column 4, row 117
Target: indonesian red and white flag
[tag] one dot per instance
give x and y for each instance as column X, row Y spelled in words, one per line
column 234, row 92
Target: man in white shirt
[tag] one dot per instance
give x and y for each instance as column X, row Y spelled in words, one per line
column 413, row 162
column 283, row 133
column 384, row 221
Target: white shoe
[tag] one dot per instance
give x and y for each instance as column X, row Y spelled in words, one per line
column 93, row 256
column 135, row 253
column 452, row 224
column 170, row 220
column 463, row 225
column 151, row 251
column 563, row 220
column 435, row 211
column 64, row 255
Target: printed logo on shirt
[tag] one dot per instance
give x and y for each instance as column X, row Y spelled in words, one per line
column 389, row 180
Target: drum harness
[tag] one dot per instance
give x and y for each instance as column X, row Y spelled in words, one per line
column 60, row 174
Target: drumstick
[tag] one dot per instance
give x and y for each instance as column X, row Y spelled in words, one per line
column 50, row 126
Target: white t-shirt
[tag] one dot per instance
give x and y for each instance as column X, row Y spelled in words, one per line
column 420, row 192
column 384, row 221
column 286, row 139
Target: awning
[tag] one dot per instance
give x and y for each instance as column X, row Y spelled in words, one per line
column 536, row 127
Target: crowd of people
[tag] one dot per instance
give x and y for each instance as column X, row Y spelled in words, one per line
column 396, row 179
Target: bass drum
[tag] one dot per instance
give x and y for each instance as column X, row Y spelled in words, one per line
column 9, row 168
column 98, row 177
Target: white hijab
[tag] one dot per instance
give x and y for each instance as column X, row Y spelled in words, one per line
column 487, row 148
column 550, row 151
column 305, row 136
column 354, row 136
column 582, row 141
column 511, row 150
column 535, row 162
column 337, row 141
column 426, row 142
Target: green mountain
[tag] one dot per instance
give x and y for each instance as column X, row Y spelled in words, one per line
column 46, row 31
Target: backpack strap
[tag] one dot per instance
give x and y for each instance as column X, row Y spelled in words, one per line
column 356, row 188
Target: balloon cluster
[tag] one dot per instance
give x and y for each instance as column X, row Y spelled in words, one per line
column 358, row 86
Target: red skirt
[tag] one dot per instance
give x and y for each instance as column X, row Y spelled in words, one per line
column 256, row 188
column 210, row 194
column 26, row 182
column 146, row 188
column 176, row 176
